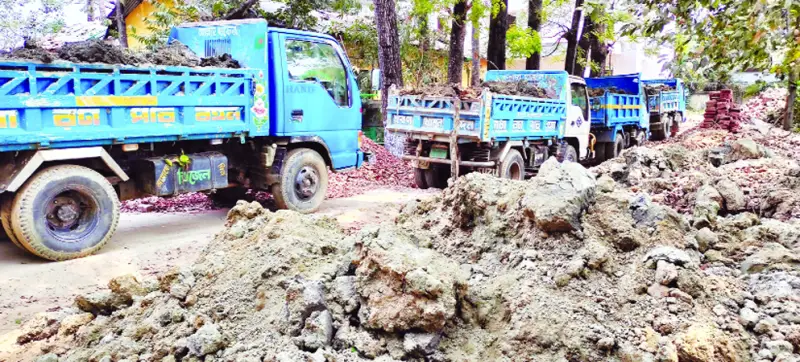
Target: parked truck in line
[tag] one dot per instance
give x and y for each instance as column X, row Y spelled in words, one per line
column 508, row 136
column 666, row 102
column 619, row 114
column 75, row 139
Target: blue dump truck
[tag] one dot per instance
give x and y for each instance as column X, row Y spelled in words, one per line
column 619, row 114
column 508, row 136
column 77, row 138
column 666, row 102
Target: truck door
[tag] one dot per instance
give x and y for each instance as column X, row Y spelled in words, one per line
column 578, row 122
column 318, row 92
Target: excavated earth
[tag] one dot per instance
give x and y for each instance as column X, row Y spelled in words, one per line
column 98, row 51
column 673, row 252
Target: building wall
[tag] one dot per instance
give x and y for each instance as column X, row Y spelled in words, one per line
column 136, row 20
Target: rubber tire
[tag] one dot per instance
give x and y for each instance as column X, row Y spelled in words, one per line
column 512, row 159
column 614, row 149
column 228, row 197
column 436, row 177
column 641, row 138
column 660, row 132
column 5, row 218
column 600, row 152
column 420, row 179
column 570, row 154
column 26, row 220
column 285, row 197
column 677, row 119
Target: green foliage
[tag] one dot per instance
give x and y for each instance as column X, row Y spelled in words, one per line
column 713, row 38
column 20, row 21
column 161, row 20
column 523, row 42
column 360, row 39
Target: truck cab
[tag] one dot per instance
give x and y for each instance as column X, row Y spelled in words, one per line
column 75, row 139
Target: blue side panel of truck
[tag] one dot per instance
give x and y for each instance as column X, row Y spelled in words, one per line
column 667, row 101
column 493, row 117
column 622, row 103
column 70, row 105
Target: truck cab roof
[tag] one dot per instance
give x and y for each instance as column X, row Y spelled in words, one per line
column 302, row 33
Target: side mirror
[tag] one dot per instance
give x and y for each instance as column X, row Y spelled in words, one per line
column 376, row 79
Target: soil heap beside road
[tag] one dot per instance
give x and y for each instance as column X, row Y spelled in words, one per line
column 681, row 251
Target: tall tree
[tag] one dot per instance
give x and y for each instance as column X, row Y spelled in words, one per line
column 119, row 16
column 498, row 26
column 388, row 49
column 534, row 62
column 476, row 56
column 584, row 47
column 728, row 35
column 573, row 37
column 458, row 30
column 598, row 55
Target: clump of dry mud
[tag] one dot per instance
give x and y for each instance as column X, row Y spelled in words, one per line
column 98, row 51
column 567, row 266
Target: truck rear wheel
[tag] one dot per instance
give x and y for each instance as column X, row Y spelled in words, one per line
column 436, row 177
column 677, row 119
column 304, row 181
column 513, row 166
column 570, row 154
column 64, row 212
column 661, row 131
column 5, row 217
column 420, row 179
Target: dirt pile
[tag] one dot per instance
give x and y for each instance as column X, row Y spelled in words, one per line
column 384, row 170
column 768, row 106
column 654, row 89
column 572, row 265
column 98, row 51
column 597, row 92
column 521, row 89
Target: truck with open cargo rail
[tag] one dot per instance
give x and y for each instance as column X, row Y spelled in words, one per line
column 509, row 136
column 666, row 102
column 619, row 114
column 77, row 138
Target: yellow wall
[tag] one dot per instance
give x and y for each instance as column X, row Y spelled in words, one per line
column 136, row 20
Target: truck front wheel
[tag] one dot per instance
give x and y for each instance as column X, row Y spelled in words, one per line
column 304, row 181
column 64, row 212
column 513, row 166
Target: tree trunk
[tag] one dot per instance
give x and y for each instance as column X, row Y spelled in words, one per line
column 476, row 56
column 90, row 10
column 496, row 51
column 455, row 65
column 599, row 51
column 121, row 27
column 388, row 50
column 572, row 38
column 582, row 59
column 534, row 62
column 788, row 121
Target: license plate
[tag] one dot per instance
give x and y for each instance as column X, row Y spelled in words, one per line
column 403, row 120
column 429, row 122
column 438, row 153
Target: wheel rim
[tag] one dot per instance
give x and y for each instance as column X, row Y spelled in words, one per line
column 71, row 216
column 306, row 183
column 514, row 171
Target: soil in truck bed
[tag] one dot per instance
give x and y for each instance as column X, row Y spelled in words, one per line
column 521, row 88
column 97, row 51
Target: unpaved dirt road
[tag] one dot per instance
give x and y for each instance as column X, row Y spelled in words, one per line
column 144, row 244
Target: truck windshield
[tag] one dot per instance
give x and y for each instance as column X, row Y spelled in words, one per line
column 318, row 62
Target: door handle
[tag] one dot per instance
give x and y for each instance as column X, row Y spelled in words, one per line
column 297, row 115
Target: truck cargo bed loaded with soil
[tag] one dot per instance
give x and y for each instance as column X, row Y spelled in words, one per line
column 77, row 138
column 619, row 114
column 666, row 101
column 507, row 128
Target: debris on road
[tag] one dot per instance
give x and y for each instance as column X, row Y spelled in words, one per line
column 656, row 255
column 384, row 170
column 191, row 202
column 768, row 106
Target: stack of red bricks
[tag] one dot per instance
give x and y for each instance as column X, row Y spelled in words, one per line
column 721, row 112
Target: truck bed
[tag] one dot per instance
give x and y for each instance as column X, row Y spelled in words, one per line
column 493, row 117
column 74, row 105
column 613, row 109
